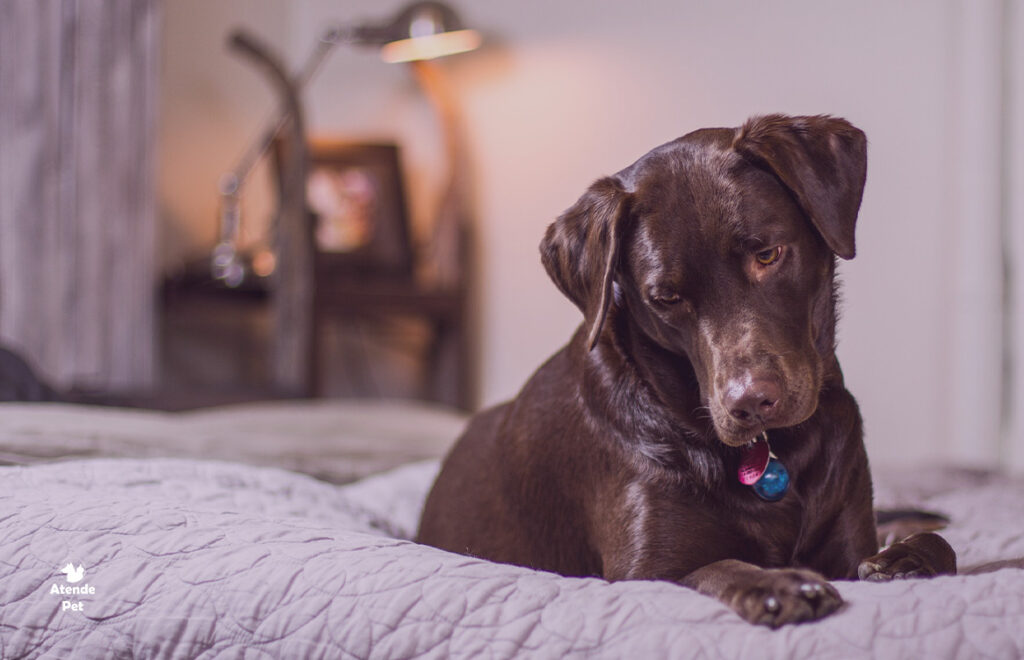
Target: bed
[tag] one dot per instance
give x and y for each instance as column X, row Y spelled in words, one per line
column 119, row 540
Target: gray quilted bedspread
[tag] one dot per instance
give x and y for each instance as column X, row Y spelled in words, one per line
column 180, row 558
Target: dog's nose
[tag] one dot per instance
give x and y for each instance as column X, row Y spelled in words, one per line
column 753, row 399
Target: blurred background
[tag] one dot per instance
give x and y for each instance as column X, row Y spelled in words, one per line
column 121, row 120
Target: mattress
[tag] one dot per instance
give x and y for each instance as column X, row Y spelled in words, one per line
column 334, row 440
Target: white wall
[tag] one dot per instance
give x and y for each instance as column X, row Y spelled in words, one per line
column 570, row 90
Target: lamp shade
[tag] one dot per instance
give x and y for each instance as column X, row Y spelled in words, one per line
column 421, row 31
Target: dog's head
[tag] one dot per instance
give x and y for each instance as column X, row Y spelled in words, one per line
column 720, row 246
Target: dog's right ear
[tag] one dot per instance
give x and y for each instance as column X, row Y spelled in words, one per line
column 581, row 249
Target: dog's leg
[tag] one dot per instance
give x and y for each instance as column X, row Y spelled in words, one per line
column 770, row 597
column 921, row 555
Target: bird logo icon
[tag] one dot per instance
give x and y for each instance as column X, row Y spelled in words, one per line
column 73, row 574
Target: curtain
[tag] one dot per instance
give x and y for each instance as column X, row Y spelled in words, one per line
column 77, row 209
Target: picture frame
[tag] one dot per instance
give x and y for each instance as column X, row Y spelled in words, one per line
column 358, row 214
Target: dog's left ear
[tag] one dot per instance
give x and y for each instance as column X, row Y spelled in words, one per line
column 581, row 249
column 822, row 160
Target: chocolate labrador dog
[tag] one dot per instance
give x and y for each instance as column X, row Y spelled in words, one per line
column 696, row 428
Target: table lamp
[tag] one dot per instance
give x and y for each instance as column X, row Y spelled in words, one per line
column 420, row 31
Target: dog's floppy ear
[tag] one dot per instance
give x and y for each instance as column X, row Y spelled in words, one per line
column 822, row 160
column 581, row 250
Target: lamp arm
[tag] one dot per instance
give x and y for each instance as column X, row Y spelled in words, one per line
column 226, row 264
column 291, row 301
column 231, row 182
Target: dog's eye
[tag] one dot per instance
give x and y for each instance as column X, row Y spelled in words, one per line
column 768, row 257
column 666, row 298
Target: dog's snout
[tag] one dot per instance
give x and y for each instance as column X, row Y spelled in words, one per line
column 752, row 399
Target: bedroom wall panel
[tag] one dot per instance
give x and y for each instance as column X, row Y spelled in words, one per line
column 77, row 212
column 1013, row 223
column 973, row 320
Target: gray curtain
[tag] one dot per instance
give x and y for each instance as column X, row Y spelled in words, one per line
column 78, row 85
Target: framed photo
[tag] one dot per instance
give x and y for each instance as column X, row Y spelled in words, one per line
column 358, row 212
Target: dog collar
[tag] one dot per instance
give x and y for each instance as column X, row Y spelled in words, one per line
column 762, row 470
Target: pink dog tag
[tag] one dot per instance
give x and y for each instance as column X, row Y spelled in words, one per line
column 753, row 462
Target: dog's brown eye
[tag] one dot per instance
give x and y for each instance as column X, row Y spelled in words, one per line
column 666, row 298
column 768, row 257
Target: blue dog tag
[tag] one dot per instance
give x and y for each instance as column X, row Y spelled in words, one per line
column 773, row 483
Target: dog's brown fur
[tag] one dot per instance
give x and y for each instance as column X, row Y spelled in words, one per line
column 706, row 275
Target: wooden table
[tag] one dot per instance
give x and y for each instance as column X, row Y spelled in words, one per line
column 196, row 305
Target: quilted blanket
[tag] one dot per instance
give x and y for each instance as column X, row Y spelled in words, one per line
column 179, row 558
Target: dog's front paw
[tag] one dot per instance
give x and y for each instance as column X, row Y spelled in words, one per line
column 920, row 555
column 779, row 596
